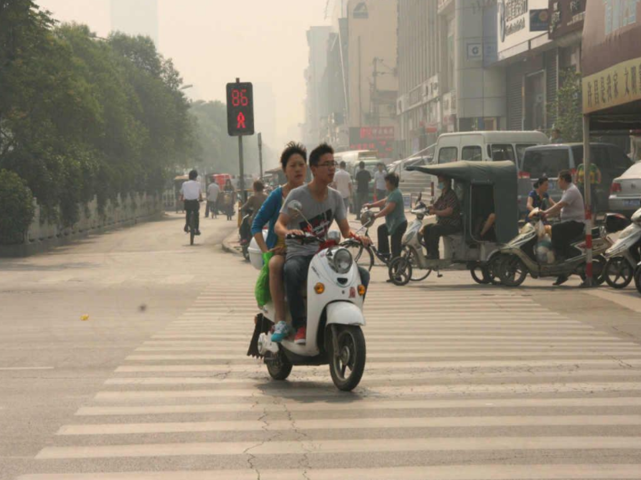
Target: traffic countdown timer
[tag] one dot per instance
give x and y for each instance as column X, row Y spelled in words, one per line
column 240, row 109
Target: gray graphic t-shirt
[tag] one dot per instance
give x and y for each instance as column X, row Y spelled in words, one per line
column 319, row 214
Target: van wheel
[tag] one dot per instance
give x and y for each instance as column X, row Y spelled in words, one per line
column 512, row 271
column 347, row 364
column 278, row 365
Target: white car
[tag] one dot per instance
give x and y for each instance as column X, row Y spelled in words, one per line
column 625, row 192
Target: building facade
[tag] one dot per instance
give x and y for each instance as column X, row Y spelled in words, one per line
column 135, row 17
column 445, row 85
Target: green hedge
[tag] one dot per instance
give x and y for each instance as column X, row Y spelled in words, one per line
column 16, row 208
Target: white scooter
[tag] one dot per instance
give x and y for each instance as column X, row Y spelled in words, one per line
column 335, row 298
column 623, row 256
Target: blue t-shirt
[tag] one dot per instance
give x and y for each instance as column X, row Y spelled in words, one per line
column 538, row 202
column 268, row 214
column 397, row 216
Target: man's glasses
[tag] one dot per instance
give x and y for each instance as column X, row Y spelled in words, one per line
column 328, row 164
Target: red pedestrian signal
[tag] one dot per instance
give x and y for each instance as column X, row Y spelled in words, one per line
column 240, row 109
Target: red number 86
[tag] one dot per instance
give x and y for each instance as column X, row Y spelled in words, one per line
column 239, row 98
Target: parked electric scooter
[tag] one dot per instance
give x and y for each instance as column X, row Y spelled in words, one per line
column 519, row 257
column 245, row 232
column 335, row 298
column 625, row 254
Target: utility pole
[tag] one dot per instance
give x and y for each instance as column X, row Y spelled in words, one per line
column 260, row 153
column 374, row 98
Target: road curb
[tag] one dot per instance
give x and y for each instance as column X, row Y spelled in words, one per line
column 228, row 244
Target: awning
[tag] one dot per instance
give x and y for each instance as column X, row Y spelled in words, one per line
column 611, row 64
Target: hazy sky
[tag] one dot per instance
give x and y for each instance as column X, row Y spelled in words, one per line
column 214, row 41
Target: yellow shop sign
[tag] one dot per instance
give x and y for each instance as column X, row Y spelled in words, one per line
column 614, row 86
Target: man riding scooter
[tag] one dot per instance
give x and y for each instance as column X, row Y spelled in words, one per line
column 320, row 206
column 572, row 210
column 448, row 212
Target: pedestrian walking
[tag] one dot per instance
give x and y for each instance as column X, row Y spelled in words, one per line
column 379, row 182
column 363, row 177
column 343, row 183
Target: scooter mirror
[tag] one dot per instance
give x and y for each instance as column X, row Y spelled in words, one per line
column 334, row 235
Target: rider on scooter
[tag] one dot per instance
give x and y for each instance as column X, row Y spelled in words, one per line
column 572, row 223
column 321, row 205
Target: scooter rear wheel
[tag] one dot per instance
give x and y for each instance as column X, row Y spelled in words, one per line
column 347, row 365
column 278, row 365
column 637, row 279
column 618, row 272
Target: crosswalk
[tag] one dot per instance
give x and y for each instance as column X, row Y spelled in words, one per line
column 460, row 383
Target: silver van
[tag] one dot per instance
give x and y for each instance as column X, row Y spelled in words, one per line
column 549, row 160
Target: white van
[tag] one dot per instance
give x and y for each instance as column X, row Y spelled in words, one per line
column 486, row 146
column 353, row 157
column 483, row 147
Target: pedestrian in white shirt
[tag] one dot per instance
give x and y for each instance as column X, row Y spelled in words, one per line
column 212, row 200
column 343, row 183
column 191, row 195
column 379, row 182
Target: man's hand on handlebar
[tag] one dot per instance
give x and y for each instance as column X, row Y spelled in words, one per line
column 295, row 233
column 365, row 240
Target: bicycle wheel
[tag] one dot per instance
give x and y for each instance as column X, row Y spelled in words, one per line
column 362, row 255
column 192, row 228
column 417, row 273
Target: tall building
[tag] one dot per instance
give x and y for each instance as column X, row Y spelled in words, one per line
column 445, row 85
column 135, row 17
column 372, row 74
column 316, row 100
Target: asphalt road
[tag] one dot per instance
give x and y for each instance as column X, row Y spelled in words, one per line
column 123, row 357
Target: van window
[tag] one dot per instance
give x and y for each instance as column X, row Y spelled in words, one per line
column 502, row 152
column 520, row 151
column 547, row 162
column 473, row 154
column 447, row 154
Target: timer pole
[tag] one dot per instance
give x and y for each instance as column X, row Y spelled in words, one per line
column 241, row 184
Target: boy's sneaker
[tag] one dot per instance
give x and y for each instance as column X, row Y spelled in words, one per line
column 281, row 332
column 301, row 336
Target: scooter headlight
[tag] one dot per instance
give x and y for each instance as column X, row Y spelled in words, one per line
column 342, row 261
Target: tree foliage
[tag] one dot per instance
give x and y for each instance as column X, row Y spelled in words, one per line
column 17, row 208
column 566, row 108
column 81, row 116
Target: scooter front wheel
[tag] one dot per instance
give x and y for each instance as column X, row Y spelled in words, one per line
column 278, row 365
column 347, row 354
